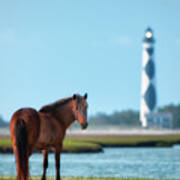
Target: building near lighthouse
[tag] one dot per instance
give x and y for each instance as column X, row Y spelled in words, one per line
column 149, row 116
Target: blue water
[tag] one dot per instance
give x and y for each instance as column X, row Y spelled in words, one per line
column 114, row 162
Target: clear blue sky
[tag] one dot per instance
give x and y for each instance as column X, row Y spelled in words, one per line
column 52, row 49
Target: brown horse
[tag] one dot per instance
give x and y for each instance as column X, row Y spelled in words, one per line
column 44, row 129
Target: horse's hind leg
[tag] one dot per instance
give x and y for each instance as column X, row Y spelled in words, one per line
column 45, row 163
column 20, row 144
column 17, row 164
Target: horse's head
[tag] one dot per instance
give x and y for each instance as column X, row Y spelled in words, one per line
column 80, row 109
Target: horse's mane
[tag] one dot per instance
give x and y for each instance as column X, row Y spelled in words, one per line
column 53, row 106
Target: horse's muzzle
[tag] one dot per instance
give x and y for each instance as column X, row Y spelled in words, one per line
column 84, row 125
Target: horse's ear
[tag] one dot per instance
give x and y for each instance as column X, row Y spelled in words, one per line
column 74, row 96
column 85, row 96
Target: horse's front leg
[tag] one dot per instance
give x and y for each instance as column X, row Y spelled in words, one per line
column 57, row 159
column 45, row 163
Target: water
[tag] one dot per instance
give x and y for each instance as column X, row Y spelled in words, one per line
column 114, row 162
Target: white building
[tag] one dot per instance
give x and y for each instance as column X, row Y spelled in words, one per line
column 159, row 120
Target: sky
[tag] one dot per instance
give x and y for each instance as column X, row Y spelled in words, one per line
column 52, row 49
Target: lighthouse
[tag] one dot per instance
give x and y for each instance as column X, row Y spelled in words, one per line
column 148, row 83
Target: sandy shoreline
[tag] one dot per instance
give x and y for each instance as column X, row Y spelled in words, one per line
column 117, row 132
column 110, row 132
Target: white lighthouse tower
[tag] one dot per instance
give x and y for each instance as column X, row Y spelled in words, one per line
column 148, row 86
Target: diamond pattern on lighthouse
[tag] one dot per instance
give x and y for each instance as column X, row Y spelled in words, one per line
column 150, row 51
column 150, row 69
column 148, row 88
column 150, row 97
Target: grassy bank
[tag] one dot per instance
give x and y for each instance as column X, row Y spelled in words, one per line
column 132, row 141
column 90, row 143
column 71, row 146
column 128, row 140
column 82, row 178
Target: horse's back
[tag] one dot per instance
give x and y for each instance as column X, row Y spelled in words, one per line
column 31, row 120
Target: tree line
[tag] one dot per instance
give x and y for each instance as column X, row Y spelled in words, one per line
column 130, row 118
column 175, row 111
column 123, row 119
column 3, row 123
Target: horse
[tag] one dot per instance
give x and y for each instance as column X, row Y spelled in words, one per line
column 44, row 130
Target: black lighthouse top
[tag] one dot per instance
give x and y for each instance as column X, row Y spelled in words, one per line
column 149, row 36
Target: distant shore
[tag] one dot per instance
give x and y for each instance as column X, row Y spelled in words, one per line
column 111, row 131
column 122, row 132
column 95, row 141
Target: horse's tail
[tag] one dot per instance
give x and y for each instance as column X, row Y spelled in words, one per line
column 21, row 148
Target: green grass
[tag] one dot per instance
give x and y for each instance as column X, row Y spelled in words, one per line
column 81, row 146
column 95, row 144
column 73, row 146
column 82, row 178
column 5, row 142
column 136, row 141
